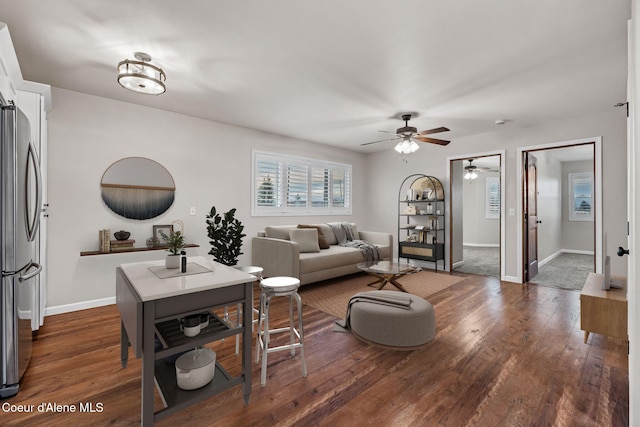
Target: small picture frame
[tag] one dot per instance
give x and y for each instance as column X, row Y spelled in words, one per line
column 157, row 236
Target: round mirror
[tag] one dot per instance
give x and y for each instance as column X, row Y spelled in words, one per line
column 138, row 188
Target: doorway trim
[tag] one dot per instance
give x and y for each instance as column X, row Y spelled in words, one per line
column 449, row 230
column 597, row 141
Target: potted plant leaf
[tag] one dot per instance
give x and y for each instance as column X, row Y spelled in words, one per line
column 175, row 243
column 225, row 234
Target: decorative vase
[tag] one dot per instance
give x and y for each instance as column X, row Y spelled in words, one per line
column 121, row 235
column 172, row 261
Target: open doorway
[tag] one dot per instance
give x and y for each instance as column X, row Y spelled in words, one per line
column 476, row 214
column 559, row 202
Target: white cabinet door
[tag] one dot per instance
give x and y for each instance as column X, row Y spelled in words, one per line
column 33, row 106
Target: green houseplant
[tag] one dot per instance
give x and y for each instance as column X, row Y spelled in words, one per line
column 175, row 243
column 225, row 234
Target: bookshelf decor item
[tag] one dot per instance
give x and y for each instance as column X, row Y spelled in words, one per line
column 421, row 220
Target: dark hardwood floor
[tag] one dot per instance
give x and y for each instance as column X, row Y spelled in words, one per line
column 504, row 355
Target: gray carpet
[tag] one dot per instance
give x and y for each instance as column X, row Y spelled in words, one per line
column 480, row 260
column 566, row 271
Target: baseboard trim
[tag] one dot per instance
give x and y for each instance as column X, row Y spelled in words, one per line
column 68, row 308
column 458, row 264
column 575, row 251
column 512, row 279
column 482, row 245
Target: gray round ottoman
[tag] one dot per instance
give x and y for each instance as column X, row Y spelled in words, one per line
column 393, row 326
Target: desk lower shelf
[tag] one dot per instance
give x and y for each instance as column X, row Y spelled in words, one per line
column 175, row 399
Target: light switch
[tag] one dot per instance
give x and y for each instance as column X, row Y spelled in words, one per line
column 512, row 211
column 192, row 210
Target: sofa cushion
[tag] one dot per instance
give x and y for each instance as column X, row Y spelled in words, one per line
column 335, row 256
column 278, row 231
column 322, row 241
column 306, row 238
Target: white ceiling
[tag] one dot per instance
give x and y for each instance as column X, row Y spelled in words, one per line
column 338, row 71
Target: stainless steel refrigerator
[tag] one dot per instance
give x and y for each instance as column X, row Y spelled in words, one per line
column 20, row 204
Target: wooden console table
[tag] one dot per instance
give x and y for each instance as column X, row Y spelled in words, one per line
column 603, row 312
column 151, row 306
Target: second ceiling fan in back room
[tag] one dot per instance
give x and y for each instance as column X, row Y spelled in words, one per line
column 471, row 170
column 408, row 135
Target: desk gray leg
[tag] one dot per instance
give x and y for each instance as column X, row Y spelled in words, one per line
column 124, row 346
column 148, row 359
column 247, row 327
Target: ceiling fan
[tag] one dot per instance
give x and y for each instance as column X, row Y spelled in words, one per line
column 408, row 135
column 471, row 170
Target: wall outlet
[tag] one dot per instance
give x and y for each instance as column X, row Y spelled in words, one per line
column 192, row 210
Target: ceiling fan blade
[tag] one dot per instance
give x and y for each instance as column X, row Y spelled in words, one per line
column 386, row 131
column 431, row 140
column 435, row 130
column 375, row 142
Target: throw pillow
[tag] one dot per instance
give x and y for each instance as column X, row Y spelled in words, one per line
column 306, row 238
column 322, row 241
column 277, row 232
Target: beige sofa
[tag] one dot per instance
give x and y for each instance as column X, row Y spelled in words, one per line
column 279, row 255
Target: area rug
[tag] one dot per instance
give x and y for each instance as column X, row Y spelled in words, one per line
column 332, row 296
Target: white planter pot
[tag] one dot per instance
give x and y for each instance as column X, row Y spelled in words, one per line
column 172, row 261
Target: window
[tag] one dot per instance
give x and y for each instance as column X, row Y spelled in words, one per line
column 581, row 196
column 492, row 205
column 287, row 185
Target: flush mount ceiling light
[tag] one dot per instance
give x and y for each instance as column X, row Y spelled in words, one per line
column 406, row 146
column 141, row 76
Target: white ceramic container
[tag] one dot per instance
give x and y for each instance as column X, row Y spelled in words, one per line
column 195, row 368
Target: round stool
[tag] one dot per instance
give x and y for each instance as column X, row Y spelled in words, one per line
column 279, row 286
column 393, row 326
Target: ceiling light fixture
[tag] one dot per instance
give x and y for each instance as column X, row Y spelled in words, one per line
column 406, row 146
column 141, row 76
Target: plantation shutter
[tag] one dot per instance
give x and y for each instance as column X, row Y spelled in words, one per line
column 297, row 187
column 319, row 187
column 268, row 176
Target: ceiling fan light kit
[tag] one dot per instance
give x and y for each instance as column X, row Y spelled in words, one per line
column 470, row 175
column 141, row 76
column 406, row 146
column 408, row 135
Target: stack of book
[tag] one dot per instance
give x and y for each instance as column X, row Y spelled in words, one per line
column 104, row 244
column 121, row 245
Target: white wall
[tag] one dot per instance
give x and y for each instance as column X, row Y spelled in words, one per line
column 210, row 163
column 478, row 230
column 549, row 176
column 431, row 160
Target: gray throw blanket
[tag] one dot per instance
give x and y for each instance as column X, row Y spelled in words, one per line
column 401, row 301
column 345, row 236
